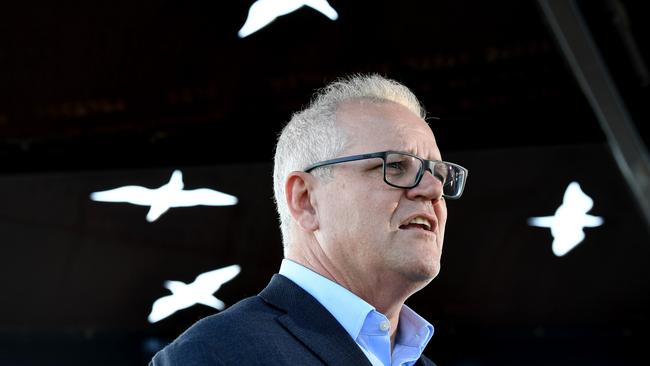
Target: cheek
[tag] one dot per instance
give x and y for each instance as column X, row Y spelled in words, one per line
column 359, row 211
column 377, row 207
column 341, row 215
column 366, row 217
column 440, row 210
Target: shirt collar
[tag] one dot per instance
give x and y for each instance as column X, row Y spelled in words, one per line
column 414, row 330
column 347, row 308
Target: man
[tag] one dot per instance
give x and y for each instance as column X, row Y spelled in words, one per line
column 360, row 188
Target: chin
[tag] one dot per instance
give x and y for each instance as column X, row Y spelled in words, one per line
column 422, row 272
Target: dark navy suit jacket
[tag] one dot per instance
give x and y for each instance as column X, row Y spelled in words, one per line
column 283, row 325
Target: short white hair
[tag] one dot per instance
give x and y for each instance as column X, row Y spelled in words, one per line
column 312, row 134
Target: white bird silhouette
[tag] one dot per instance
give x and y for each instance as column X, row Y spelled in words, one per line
column 569, row 220
column 163, row 198
column 198, row 292
column 263, row 12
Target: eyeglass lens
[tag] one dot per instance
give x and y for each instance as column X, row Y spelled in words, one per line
column 402, row 170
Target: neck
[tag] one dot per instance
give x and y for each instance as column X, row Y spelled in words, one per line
column 386, row 292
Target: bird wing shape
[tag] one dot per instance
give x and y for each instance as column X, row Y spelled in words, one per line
column 156, row 211
column 542, row 221
column 576, row 199
column 201, row 196
column 324, row 7
column 176, row 181
column 132, row 194
column 210, row 282
column 592, row 221
column 212, row 302
column 164, row 307
column 263, row 12
column 562, row 244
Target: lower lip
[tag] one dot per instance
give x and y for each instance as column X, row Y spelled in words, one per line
column 419, row 230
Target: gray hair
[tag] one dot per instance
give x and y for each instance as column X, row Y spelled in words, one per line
column 312, row 134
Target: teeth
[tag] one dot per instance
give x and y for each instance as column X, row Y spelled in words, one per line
column 421, row 221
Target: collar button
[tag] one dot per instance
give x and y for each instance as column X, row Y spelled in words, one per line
column 384, row 326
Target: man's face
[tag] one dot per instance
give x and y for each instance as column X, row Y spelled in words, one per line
column 366, row 227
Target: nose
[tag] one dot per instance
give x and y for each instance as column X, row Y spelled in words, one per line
column 429, row 188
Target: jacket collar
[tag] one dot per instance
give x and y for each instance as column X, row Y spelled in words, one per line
column 312, row 324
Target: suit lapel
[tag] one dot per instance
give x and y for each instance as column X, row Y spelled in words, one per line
column 312, row 324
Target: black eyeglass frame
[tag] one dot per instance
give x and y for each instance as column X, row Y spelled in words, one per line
column 426, row 165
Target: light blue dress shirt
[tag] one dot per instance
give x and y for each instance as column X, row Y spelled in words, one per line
column 369, row 328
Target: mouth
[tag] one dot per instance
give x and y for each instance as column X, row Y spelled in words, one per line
column 419, row 222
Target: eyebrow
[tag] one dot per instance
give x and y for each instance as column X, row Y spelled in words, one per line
column 412, row 152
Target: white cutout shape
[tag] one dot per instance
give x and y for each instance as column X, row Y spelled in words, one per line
column 165, row 197
column 263, row 12
column 569, row 220
column 198, row 292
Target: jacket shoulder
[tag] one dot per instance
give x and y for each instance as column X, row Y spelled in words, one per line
column 207, row 340
column 424, row 361
column 243, row 317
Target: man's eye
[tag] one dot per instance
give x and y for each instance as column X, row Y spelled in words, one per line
column 396, row 166
column 440, row 171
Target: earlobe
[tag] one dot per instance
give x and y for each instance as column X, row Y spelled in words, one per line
column 298, row 190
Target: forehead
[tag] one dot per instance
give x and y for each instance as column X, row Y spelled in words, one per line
column 378, row 126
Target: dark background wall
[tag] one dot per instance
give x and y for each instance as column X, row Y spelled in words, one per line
column 123, row 83
column 99, row 95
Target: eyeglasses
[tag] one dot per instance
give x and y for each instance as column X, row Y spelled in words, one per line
column 402, row 170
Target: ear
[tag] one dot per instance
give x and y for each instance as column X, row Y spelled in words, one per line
column 298, row 191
